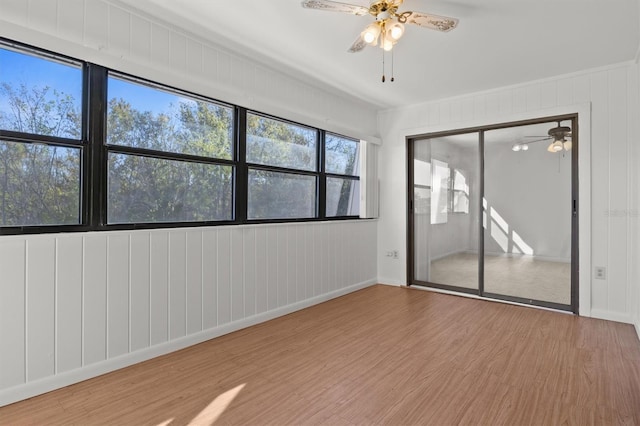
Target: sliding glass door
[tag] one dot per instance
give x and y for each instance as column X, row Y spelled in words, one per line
column 445, row 191
column 527, row 215
column 493, row 212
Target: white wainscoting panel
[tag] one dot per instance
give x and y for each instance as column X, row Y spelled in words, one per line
column 76, row 305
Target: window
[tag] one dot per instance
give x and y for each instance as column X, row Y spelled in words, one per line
column 422, row 186
column 459, row 192
column 278, row 155
column 439, row 191
column 165, row 151
column 342, row 166
column 41, row 146
column 85, row 148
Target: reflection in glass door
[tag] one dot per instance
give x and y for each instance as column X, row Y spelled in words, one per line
column 494, row 212
column 527, row 214
column 445, row 186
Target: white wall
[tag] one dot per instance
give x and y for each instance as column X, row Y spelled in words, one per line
column 530, row 191
column 608, row 99
column 634, row 217
column 78, row 305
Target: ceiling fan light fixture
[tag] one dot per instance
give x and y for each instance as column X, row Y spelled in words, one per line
column 386, row 44
column 517, row 147
column 524, row 147
column 395, row 31
column 371, row 33
column 556, row 146
column 567, row 145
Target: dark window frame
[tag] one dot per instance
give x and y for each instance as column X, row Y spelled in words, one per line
column 94, row 153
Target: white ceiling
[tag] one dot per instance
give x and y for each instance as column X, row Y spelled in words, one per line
column 497, row 42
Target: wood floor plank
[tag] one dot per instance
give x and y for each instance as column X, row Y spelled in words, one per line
column 382, row 355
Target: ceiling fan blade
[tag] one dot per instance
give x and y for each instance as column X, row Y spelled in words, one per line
column 434, row 22
column 358, row 45
column 334, row 6
column 548, row 138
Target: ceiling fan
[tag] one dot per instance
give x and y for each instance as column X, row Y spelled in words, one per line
column 388, row 26
column 560, row 136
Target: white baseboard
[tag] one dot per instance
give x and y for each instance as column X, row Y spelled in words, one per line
column 391, row 282
column 38, row 387
column 612, row 316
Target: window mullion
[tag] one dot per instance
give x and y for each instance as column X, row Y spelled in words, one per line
column 97, row 157
column 240, row 195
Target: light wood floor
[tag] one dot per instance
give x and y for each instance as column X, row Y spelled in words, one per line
column 383, row 355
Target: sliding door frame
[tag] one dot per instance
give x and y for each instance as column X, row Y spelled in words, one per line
column 575, row 212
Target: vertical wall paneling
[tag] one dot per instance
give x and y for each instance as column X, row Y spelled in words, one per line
column 210, row 63
column 237, row 274
column 310, row 261
column 77, row 300
column 119, row 31
column 271, row 247
column 177, row 284
column 548, row 95
column 96, row 30
column 70, row 19
column 41, row 255
column 224, row 68
column 40, row 14
column 12, row 313
column 301, row 267
column 324, row 258
column 281, row 265
column 633, row 194
column 194, row 255
column 20, row 9
column 178, row 51
column 159, row 288
column 249, row 254
column 618, row 194
column 68, row 308
column 194, row 57
column 600, row 184
column 209, row 279
column 94, row 290
column 224, row 276
column 117, row 294
column 140, row 38
column 292, row 259
column 159, row 44
column 140, row 290
column 262, row 280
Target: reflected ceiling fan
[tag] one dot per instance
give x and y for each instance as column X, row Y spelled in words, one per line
column 388, row 26
column 559, row 135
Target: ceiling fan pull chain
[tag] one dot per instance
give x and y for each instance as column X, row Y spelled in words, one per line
column 392, row 78
column 383, row 79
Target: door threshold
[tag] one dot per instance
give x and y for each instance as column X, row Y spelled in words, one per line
column 489, row 299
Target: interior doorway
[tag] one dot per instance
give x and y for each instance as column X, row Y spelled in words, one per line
column 493, row 211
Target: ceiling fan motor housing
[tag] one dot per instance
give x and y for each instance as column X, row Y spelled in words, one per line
column 559, row 132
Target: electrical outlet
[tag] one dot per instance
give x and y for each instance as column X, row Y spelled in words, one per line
column 600, row 272
column 395, row 254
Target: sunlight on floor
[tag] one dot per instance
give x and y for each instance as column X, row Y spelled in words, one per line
column 214, row 410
